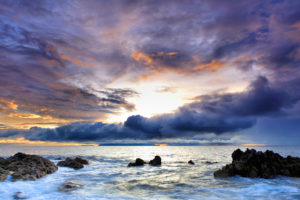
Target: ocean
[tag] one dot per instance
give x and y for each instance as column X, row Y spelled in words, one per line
column 108, row 177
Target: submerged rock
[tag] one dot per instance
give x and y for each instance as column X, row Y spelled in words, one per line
column 191, row 162
column 72, row 163
column 19, row 195
column 69, row 186
column 252, row 163
column 22, row 166
column 138, row 162
column 155, row 161
column 210, row 162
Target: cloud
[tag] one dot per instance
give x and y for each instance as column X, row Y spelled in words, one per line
column 61, row 59
column 261, row 99
column 215, row 114
column 2, row 126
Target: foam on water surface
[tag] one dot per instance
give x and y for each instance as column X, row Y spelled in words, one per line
column 108, row 177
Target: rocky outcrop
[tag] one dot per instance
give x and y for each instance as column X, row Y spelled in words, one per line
column 25, row 167
column 252, row 163
column 191, row 162
column 156, row 161
column 138, row 162
column 76, row 163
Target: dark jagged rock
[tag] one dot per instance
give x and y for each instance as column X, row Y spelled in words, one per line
column 82, row 161
column 2, row 161
column 252, row 163
column 72, row 163
column 156, row 161
column 191, row 162
column 25, row 167
column 3, row 174
column 69, row 186
column 138, row 162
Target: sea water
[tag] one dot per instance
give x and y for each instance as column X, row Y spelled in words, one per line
column 108, row 177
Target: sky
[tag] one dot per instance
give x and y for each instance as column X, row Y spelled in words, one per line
column 137, row 71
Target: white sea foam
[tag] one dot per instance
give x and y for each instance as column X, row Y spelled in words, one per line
column 107, row 176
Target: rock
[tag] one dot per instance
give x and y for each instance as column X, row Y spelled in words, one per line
column 210, row 163
column 82, row 161
column 69, row 186
column 3, row 174
column 191, row 162
column 19, row 195
column 26, row 167
column 138, row 162
column 156, row 161
column 252, row 163
column 2, row 161
column 72, row 163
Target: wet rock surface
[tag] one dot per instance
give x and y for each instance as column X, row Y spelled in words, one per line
column 25, row 167
column 138, row 162
column 156, row 161
column 210, row 162
column 69, row 186
column 191, row 162
column 82, row 161
column 252, row 163
column 3, row 174
column 76, row 163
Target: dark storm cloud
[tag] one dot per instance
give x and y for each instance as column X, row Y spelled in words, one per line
column 218, row 30
column 205, row 29
column 217, row 114
column 261, row 99
column 57, row 58
column 41, row 64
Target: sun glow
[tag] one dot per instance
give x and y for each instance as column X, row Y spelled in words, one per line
column 152, row 101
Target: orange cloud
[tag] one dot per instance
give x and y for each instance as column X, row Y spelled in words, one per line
column 152, row 61
column 76, row 61
column 212, row 65
column 172, row 53
column 23, row 141
column 24, row 115
column 8, row 104
column 142, row 58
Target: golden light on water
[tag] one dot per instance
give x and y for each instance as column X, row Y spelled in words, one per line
column 257, row 145
column 162, row 145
